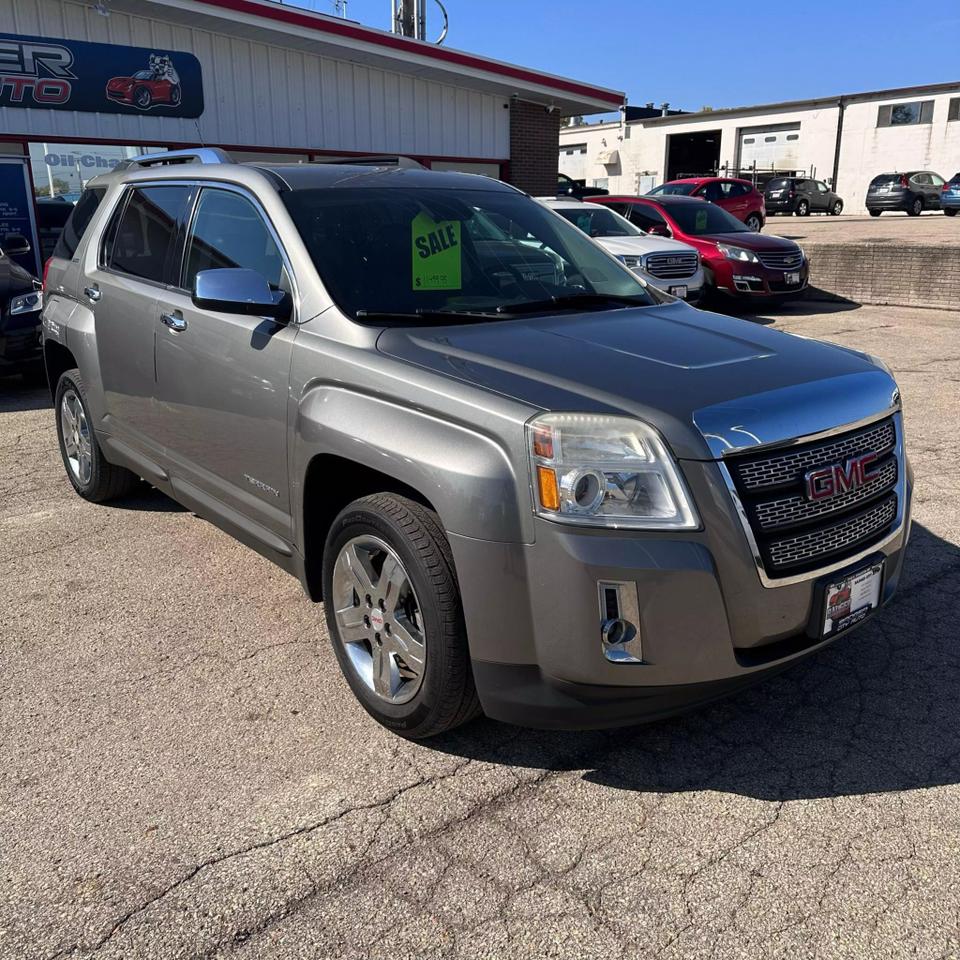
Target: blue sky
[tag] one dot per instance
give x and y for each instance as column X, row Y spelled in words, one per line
column 705, row 53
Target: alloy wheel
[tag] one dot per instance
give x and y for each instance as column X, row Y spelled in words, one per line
column 379, row 618
column 77, row 442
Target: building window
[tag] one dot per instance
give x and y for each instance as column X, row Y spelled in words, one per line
column 749, row 140
column 63, row 169
column 573, row 149
column 953, row 113
column 793, row 136
column 769, row 139
column 902, row 114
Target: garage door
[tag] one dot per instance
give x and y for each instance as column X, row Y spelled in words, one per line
column 771, row 148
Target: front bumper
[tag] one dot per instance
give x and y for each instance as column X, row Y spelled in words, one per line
column 708, row 625
column 754, row 281
column 20, row 339
column 693, row 283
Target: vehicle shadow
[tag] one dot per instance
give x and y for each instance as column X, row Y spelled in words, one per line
column 16, row 396
column 148, row 499
column 805, row 307
column 876, row 712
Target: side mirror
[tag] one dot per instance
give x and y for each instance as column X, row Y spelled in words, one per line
column 15, row 244
column 238, row 290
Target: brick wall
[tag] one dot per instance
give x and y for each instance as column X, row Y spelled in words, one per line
column 912, row 275
column 534, row 153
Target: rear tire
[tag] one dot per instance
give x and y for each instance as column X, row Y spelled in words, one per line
column 916, row 208
column 754, row 223
column 950, row 212
column 407, row 662
column 875, row 213
column 89, row 472
column 803, row 208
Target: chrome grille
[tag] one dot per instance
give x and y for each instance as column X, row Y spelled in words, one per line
column 775, row 470
column 789, row 511
column 788, row 260
column 794, row 533
column 672, row 266
column 835, row 538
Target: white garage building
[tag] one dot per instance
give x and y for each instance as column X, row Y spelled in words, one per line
column 844, row 139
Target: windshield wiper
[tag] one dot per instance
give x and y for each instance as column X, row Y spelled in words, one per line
column 571, row 300
column 419, row 316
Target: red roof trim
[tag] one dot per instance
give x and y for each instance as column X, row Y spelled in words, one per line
column 352, row 31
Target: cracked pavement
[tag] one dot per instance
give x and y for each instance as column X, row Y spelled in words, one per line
column 185, row 774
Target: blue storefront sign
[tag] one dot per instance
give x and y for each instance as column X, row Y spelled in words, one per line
column 42, row 73
column 16, row 210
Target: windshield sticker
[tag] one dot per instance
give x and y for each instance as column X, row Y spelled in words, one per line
column 701, row 220
column 436, row 253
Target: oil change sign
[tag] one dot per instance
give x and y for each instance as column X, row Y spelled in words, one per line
column 436, row 253
column 45, row 74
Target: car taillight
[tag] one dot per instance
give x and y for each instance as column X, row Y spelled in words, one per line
column 792, row 193
column 904, row 180
column 46, row 270
column 945, row 188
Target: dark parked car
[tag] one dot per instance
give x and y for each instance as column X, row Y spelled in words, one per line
column 20, row 304
column 950, row 196
column 912, row 192
column 52, row 214
column 568, row 187
column 802, row 196
column 737, row 261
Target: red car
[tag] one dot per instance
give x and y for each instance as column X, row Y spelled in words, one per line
column 737, row 261
column 739, row 197
column 144, row 90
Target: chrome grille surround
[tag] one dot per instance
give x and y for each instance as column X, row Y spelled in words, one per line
column 844, row 538
column 779, row 469
column 788, row 260
column 672, row 266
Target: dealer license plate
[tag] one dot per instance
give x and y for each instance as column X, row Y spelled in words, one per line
column 853, row 599
column 775, row 193
column 792, row 278
column 678, row 291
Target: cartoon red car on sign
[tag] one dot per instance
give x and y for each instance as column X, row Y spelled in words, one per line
column 157, row 85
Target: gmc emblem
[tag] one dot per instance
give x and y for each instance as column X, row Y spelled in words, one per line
column 831, row 481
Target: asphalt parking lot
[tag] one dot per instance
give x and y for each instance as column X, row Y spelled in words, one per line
column 893, row 228
column 185, row 774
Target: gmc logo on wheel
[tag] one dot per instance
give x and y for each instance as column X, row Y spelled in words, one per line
column 839, row 478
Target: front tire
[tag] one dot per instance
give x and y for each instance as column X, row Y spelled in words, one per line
column 950, row 211
column 395, row 618
column 90, row 473
column 837, row 208
column 142, row 98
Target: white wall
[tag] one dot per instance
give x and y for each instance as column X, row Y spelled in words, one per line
column 865, row 150
column 257, row 94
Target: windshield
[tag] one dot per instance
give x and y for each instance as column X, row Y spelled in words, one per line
column 143, row 75
column 700, row 219
column 407, row 251
column 598, row 221
column 673, row 190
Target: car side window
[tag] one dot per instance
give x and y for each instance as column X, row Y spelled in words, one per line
column 822, row 187
column 712, row 192
column 228, row 231
column 738, row 190
column 646, row 217
column 76, row 224
column 920, row 178
column 936, row 180
column 143, row 232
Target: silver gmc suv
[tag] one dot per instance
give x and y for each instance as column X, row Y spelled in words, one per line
column 524, row 482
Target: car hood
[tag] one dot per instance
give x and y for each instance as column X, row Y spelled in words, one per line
column 707, row 382
column 636, row 246
column 761, row 242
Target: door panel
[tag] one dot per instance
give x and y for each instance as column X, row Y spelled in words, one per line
column 123, row 296
column 222, row 379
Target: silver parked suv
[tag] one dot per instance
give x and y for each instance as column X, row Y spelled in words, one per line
column 523, row 482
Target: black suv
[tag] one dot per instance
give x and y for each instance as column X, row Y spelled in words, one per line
column 912, row 192
column 20, row 304
column 801, row 196
column 568, row 187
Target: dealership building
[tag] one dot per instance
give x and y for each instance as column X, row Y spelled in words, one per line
column 844, row 140
column 84, row 84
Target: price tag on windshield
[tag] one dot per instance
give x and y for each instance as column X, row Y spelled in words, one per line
column 436, row 253
column 701, row 220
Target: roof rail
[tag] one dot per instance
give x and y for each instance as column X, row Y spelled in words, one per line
column 405, row 163
column 193, row 155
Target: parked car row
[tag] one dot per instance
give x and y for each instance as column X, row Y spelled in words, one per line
column 912, row 192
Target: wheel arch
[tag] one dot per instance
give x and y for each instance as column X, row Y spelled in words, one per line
column 57, row 359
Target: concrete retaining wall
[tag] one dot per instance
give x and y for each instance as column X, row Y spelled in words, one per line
column 911, row 275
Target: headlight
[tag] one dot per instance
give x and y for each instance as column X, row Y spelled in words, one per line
column 737, row 253
column 603, row 471
column 26, row 303
column 631, row 261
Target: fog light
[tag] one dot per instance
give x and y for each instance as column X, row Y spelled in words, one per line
column 619, row 622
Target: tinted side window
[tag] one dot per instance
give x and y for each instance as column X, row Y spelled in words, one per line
column 646, row 217
column 144, row 235
column 228, row 231
column 739, row 190
column 77, row 222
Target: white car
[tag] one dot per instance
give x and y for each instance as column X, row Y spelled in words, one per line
column 664, row 263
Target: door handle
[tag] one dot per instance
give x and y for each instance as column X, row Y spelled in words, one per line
column 93, row 294
column 175, row 323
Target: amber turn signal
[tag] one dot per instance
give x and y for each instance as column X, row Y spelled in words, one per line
column 549, row 490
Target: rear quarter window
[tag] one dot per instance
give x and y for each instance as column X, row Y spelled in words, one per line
column 77, row 223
